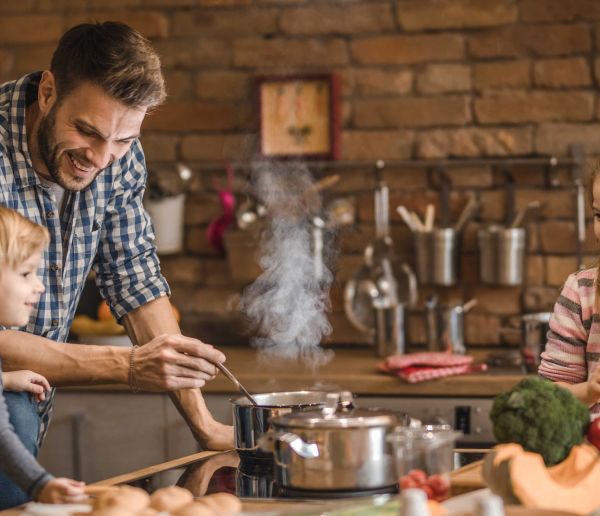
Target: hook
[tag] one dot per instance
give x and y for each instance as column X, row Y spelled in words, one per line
column 510, row 209
column 441, row 180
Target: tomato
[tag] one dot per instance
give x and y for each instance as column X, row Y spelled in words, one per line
column 419, row 476
column 428, row 491
column 407, row 482
column 593, row 432
column 440, row 485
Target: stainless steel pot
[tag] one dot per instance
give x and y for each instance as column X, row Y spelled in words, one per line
column 333, row 448
column 251, row 422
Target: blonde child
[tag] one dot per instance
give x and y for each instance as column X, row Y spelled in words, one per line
column 572, row 353
column 21, row 245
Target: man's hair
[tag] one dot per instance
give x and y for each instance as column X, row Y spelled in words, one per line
column 19, row 238
column 113, row 56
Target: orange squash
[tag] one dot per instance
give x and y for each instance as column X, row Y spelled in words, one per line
column 570, row 486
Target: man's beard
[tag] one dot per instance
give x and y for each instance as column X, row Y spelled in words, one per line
column 49, row 154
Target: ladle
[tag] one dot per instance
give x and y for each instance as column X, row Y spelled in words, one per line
column 236, row 382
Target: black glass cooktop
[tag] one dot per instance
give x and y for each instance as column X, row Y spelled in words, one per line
column 225, row 473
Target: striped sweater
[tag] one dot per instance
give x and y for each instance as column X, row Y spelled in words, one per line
column 573, row 343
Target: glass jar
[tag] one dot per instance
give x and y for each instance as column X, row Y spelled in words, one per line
column 424, row 458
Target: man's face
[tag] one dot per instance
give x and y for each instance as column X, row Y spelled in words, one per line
column 21, row 289
column 83, row 133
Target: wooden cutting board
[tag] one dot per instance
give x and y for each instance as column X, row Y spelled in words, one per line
column 468, row 478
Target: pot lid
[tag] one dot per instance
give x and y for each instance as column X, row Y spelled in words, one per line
column 353, row 418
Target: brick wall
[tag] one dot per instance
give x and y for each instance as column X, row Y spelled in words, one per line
column 421, row 80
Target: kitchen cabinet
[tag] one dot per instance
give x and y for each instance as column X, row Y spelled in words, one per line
column 95, row 435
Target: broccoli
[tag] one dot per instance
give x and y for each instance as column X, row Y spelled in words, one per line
column 540, row 416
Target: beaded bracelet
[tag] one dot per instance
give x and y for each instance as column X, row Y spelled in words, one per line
column 132, row 385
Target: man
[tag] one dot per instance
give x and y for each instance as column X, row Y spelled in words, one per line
column 71, row 160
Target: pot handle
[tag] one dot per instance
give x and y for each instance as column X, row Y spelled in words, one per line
column 295, row 442
column 301, row 448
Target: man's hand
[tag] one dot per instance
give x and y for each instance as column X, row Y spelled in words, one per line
column 26, row 381
column 62, row 490
column 213, row 435
column 174, row 362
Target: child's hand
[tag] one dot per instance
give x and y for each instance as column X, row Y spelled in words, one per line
column 26, row 381
column 593, row 386
column 62, row 490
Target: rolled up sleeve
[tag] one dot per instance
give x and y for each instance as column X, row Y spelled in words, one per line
column 127, row 267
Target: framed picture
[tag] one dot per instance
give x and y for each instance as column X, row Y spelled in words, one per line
column 299, row 116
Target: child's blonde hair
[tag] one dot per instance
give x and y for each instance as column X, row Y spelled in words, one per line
column 19, row 238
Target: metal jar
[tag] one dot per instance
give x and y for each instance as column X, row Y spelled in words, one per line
column 333, row 449
column 437, row 254
column 534, row 330
column 446, row 328
column 502, row 255
column 251, row 422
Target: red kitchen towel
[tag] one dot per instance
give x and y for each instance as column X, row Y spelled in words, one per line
column 420, row 367
column 427, row 358
column 422, row 374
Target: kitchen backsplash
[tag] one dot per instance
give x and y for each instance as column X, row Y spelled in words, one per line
column 421, row 80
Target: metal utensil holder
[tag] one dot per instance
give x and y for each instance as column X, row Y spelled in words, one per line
column 502, row 255
column 437, row 254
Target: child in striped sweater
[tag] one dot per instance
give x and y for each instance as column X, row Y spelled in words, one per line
column 572, row 353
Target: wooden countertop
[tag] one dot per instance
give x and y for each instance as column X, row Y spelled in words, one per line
column 351, row 369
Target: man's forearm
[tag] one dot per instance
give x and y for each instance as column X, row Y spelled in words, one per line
column 63, row 364
column 154, row 319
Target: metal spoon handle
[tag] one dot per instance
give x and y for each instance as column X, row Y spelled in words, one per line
column 236, row 382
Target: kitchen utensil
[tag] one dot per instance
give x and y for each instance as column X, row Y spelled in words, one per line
column 335, row 448
column 534, row 330
column 376, row 296
column 429, row 217
column 427, row 450
column 406, row 217
column 249, row 212
column 467, row 213
column 250, row 422
column 445, row 326
column 502, row 255
column 236, row 382
column 521, row 215
column 437, row 256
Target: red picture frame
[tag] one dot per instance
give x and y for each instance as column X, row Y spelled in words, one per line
column 299, row 116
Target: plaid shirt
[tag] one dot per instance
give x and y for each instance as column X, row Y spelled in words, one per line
column 103, row 227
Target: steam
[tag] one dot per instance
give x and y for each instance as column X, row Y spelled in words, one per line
column 286, row 305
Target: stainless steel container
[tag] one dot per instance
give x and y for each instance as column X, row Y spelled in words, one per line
column 437, row 256
column 502, row 255
column 534, row 330
column 333, row 449
column 445, row 328
column 251, row 422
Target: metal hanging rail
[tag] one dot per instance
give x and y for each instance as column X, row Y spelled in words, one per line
column 551, row 161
